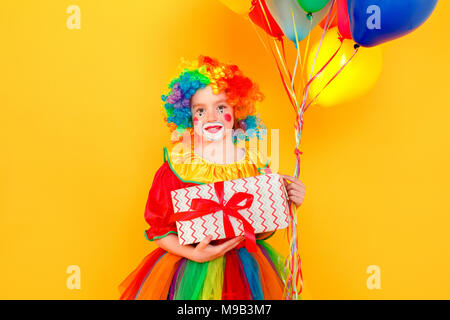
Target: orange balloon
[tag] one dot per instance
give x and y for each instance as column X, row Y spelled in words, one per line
column 334, row 22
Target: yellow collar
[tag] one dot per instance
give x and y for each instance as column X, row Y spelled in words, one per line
column 190, row 167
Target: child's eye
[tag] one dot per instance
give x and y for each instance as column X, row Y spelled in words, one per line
column 200, row 111
column 221, row 108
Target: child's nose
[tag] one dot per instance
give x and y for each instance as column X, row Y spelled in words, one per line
column 211, row 115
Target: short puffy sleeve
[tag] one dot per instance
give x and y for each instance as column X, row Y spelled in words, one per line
column 159, row 208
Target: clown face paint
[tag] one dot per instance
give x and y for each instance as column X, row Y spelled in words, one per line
column 227, row 117
column 213, row 130
column 212, row 116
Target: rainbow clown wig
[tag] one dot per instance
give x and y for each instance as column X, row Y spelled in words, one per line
column 242, row 94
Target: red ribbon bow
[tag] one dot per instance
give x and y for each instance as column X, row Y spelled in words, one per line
column 201, row 207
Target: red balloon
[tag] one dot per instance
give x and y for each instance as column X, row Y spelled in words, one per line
column 343, row 19
column 264, row 21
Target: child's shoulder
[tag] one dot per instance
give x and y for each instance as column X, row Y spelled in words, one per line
column 258, row 158
column 178, row 154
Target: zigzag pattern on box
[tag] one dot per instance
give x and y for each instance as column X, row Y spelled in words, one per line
column 269, row 210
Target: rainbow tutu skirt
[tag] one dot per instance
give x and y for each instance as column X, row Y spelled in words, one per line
column 238, row 275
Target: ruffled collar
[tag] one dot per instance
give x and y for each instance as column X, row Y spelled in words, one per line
column 190, row 167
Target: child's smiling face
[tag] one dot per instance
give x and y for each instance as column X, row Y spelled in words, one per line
column 212, row 116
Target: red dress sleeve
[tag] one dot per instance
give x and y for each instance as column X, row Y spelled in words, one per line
column 159, row 203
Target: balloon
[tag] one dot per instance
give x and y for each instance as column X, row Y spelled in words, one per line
column 258, row 16
column 357, row 77
column 343, row 19
column 333, row 23
column 282, row 11
column 340, row 20
column 238, row 6
column 312, row 5
column 377, row 21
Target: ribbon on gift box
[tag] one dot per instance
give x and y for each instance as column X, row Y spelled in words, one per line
column 201, row 207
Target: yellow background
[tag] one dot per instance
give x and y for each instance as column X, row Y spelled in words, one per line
column 82, row 136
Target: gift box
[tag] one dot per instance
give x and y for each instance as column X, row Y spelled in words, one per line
column 231, row 208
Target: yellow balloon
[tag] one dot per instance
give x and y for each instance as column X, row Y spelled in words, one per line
column 238, row 6
column 355, row 80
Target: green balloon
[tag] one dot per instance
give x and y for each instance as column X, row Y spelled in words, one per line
column 312, row 5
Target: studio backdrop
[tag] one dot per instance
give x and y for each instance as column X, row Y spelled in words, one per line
column 82, row 135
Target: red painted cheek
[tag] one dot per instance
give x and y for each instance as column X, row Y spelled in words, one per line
column 227, row 117
column 195, row 120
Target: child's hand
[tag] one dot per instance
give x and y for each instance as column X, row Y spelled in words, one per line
column 295, row 189
column 205, row 252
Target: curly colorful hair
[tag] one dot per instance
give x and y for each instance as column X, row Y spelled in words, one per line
column 242, row 94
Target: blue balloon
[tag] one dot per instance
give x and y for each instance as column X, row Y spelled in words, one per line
column 373, row 22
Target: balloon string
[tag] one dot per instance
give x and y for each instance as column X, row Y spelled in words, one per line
column 277, row 65
column 284, row 58
column 334, row 77
column 259, row 37
column 295, row 69
column 327, row 25
column 301, row 81
column 308, row 41
column 292, row 95
column 285, row 69
column 265, row 16
column 276, row 46
column 293, row 262
column 297, row 46
column 299, row 120
column 341, row 39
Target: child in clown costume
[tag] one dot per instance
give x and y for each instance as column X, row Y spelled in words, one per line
column 209, row 108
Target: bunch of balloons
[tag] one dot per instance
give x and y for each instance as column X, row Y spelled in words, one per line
column 367, row 23
column 340, row 66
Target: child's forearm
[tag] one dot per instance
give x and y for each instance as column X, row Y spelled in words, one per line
column 170, row 244
column 202, row 251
